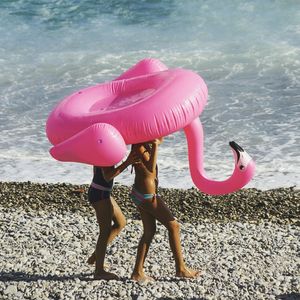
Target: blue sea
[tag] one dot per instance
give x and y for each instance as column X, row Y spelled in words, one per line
column 248, row 53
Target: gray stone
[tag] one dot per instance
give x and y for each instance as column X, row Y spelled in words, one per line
column 10, row 290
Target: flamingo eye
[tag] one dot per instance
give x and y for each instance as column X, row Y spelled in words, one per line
column 242, row 167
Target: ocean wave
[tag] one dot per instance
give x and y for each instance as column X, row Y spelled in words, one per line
column 246, row 51
column 62, row 13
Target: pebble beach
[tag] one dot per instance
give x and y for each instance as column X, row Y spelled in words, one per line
column 247, row 245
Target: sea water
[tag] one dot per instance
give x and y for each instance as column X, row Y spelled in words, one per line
column 247, row 52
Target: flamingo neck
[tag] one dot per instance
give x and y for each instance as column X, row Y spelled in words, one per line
column 195, row 137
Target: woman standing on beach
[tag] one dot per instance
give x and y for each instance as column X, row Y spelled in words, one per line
column 107, row 210
column 152, row 208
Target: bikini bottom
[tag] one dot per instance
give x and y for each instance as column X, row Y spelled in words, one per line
column 138, row 198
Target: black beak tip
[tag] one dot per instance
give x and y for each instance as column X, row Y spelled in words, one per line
column 231, row 144
column 236, row 146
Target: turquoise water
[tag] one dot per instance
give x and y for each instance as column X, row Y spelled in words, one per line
column 247, row 52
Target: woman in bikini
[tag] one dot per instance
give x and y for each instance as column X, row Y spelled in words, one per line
column 152, row 208
column 107, row 210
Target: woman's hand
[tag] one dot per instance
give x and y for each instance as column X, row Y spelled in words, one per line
column 157, row 141
column 111, row 172
column 133, row 158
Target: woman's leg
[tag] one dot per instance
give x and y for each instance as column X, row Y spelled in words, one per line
column 118, row 219
column 149, row 225
column 104, row 211
column 119, row 222
column 158, row 209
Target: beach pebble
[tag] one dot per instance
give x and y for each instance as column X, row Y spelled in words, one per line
column 10, row 290
column 44, row 253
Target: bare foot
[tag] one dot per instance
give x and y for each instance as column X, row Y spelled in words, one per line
column 188, row 273
column 141, row 277
column 105, row 276
column 92, row 260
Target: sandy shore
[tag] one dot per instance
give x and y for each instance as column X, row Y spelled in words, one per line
column 247, row 245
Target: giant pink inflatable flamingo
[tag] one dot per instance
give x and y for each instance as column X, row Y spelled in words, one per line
column 94, row 125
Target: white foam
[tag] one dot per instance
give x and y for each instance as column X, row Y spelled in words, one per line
column 253, row 80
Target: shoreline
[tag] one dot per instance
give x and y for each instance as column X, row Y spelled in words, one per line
column 280, row 205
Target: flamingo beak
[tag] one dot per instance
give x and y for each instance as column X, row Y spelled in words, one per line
column 241, row 156
column 237, row 149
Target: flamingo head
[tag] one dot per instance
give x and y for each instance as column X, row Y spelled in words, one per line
column 244, row 164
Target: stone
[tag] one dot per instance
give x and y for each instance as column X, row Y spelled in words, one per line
column 10, row 290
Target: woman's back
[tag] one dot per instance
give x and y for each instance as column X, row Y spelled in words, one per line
column 99, row 179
